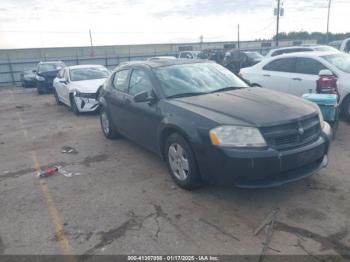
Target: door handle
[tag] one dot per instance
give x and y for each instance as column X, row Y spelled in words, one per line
column 297, row 79
column 267, row 75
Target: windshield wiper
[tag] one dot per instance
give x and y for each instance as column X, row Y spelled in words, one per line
column 187, row 94
column 228, row 88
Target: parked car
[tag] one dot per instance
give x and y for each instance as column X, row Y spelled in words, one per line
column 161, row 57
column 342, row 45
column 298, row 73
column 216, row 55
column 236, row 59
column 77, row 86
column 207, row 124
column 45, row 74
column 28, row 79
column 189, row 54
column 301, row 48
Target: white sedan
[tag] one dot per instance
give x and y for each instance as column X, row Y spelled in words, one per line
column 77, row 86
column 297, row 74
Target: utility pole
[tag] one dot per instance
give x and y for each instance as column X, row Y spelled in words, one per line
column 278, row 20
column 238, row 42
column 329, row 11
column 201, row 42
column 92, row 47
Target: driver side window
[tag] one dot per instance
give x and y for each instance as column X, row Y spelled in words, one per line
column 139, row 82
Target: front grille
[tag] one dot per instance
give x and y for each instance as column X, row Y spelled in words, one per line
column 87, row 95
column 293, row 134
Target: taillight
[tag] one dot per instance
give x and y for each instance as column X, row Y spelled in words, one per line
column 327, row 85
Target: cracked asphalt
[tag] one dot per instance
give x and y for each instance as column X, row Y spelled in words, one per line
column 124, row 202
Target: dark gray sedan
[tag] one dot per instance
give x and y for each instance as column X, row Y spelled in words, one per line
column 207, row 124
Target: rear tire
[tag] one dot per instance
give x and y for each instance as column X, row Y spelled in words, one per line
column 181, row 162
column 107, row 126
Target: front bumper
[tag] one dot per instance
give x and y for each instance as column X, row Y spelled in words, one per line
column 86, row 104
column 263, row 168
column 45, row 86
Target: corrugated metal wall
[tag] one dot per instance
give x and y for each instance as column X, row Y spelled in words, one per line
column 14, row 61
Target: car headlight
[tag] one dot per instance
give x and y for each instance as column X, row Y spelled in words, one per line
column 39, row 78
column 237, row 136
column 85, row 95
column 320, row 116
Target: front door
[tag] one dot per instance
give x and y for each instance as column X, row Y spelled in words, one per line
column 116, row 99
column 143, row 117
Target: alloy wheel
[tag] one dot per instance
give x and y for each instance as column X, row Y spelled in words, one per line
column 178, row 161
column 105, row 122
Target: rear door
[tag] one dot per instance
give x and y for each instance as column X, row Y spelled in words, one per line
column 276, row 74
column 306, row 74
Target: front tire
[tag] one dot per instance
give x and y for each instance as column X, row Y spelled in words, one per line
column 181, row 162
column 107, row 125
column 74, row 106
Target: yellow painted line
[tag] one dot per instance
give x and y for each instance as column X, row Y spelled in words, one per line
column 53, row 211
column 54, row 214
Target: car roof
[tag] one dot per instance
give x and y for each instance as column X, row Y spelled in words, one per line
column 306, row 54
column 51, row 62
column 83, row 66
column 164, row 62
column 161, row 57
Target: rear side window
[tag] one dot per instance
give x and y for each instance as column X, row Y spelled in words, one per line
column 120, row 80
column 308, row 66
column 281, row 65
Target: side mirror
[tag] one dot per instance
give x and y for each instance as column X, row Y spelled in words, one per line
column 63, row 81
column 325, row 72
column 144, row 96
column 34, row 71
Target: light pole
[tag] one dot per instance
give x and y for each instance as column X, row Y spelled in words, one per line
column 238, row 37
column 329, row 11
column 278, row 20
column 92, row 47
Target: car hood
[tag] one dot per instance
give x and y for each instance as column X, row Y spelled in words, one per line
column 253, row 106
column 50, row 74
column 88, row 86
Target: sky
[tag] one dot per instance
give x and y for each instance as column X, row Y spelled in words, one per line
column 52, row 23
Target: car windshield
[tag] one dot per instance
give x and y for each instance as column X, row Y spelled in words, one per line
column 88, row 73
column 341, row 61
column 254, row 55
column 198, row 78
column 49, row 67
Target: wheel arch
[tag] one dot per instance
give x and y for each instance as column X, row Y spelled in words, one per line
column 346, row 98
column 165, row 132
